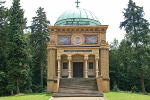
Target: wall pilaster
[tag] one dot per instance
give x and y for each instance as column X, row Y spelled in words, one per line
column 104, row 65
column 51, row 67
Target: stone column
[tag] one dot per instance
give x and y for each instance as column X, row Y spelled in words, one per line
column 58, row 70
column 69, row 69
column 97, row 70
column 86, row 69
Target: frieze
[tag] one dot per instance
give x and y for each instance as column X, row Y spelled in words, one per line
column 77, row 50
column 64, row 39
column 91, row 39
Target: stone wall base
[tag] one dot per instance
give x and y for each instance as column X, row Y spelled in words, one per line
column 106, row 85
column 50, row 86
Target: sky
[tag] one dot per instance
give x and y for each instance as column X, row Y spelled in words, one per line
column 109, row 12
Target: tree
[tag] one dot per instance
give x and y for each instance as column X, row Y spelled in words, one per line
column 16, row 55
column 3, row 41
column 137, row 33
column 39, row 38
column 2, row 2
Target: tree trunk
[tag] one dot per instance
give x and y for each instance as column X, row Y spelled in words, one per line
column 41, row 73
column 142, row 82
column 18, row 86
column 12, row 93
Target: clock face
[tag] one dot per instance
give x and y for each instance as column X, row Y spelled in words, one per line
column 77, row 39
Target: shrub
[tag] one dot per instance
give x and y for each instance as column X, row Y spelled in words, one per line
column 36, row 88
column 135, row 89
column 28, row 91
column 116, row 89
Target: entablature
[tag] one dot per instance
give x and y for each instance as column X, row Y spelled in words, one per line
column 78, row 29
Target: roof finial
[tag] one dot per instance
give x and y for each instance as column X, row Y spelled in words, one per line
column 77, row 3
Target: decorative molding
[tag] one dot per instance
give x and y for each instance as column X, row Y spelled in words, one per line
column 69, row 57
column 52, row 42
column 103, row 42
column 68, row 48
column 78, row 29
column 86, row 57
column 103, row 31
column 51, row 45
column 58, row 57
column 93, row 39
column 77, row 39
column 65, row 39
column 96, row 57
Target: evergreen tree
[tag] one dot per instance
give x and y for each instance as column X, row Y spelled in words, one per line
column 137, row 33
column 2, row 2
column 17, row 57
column 39, row 37
column 3, row 40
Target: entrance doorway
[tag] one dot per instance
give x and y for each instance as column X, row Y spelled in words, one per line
column 77, row 69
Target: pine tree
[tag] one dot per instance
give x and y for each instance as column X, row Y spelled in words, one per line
column 137, row 33
column 39, row 37
column 16, row 58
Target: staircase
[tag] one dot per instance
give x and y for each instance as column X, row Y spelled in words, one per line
column 78, row 87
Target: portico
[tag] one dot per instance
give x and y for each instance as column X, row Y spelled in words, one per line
column 68, row 59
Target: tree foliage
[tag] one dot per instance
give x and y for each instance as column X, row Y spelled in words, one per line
column 3, row 41
column 121, row 74
column 16, row 55
column 137, row 33
column 39, row 38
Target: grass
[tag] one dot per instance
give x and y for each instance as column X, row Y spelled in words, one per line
column 33, row 96
column 126, row 96
column 109, row 96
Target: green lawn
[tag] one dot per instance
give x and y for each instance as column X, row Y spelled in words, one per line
column 109, row 96
column 125, row 96
column 33, row 96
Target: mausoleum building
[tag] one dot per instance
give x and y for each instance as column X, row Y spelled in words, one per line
column 78, row 49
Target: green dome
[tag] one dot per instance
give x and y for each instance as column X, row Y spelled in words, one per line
column 77, row 16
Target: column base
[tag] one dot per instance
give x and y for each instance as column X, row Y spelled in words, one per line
column 69, row 77
column 86, row 77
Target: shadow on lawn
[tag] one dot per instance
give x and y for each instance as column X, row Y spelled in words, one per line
column 44, row 94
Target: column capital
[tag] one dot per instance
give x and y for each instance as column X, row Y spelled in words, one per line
column 86, row 57
column 69, row 57
column 58, row 57
column 97, row 57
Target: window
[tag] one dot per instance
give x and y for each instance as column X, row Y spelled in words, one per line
column 90, row 65
column 65, row 65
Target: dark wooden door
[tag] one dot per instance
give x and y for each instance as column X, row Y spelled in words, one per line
column 77, row 69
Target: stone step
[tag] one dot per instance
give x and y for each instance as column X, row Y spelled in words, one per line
column 78, row 87
column 77, row 91
column 77, row 95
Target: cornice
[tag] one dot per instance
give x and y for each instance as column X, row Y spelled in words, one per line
column 78, row 29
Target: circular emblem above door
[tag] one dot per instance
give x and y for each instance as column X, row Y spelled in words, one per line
column 78, row 40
